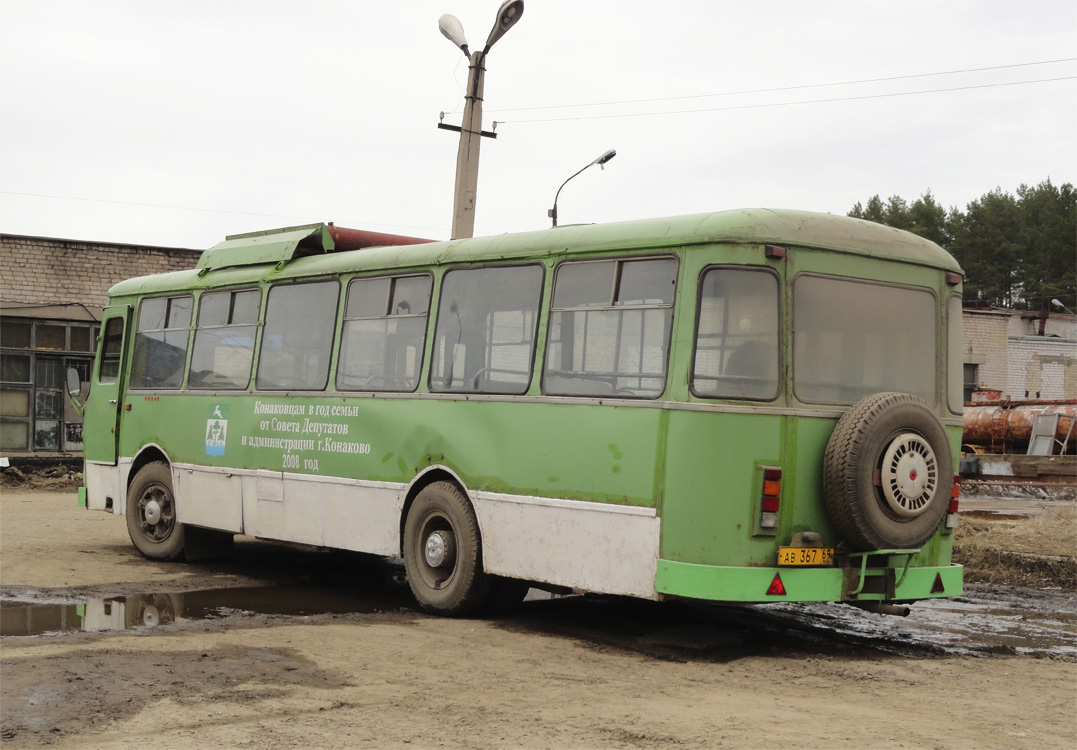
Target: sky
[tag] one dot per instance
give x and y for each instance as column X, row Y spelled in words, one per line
column 176, row 124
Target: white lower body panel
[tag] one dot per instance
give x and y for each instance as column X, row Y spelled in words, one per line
column 590, row 546
column 106, row 485
column 583, row 545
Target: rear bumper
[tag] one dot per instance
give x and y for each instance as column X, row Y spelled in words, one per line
column 722, row 584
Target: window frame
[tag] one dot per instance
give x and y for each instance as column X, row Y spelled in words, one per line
column 196, row 327
column 256, row 364
column 614, row 306
column 536, row 329
column 136, row 330
column 954, row 373
column 935, row 337
column 780, row 333
column 420, row 369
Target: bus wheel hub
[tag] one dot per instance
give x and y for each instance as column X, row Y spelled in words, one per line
column 909, row 474
column 439, row 550
column 153, row 512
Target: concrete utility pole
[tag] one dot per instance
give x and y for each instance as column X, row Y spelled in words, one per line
column 467, row 156
column 471, row 132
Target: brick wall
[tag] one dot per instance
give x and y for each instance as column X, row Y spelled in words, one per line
column 1042, row 367
column 985, row 344
column 43, row 270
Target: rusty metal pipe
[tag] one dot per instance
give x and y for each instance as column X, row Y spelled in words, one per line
column 1005, row 425
column 356, row 239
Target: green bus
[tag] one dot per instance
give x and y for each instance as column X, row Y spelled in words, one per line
column 743, row 406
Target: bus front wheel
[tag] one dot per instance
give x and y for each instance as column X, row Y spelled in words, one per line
column 443, row 552
column 151, row 513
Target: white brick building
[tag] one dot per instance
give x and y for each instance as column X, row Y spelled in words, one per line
column 1005, row 351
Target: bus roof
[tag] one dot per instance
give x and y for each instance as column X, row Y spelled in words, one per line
column 748, row 226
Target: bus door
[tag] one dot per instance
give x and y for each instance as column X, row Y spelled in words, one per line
column 101, row 427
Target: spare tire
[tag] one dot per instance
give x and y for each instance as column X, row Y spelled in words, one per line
column 888, row 472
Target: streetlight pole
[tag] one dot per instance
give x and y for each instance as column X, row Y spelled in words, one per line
column 600, row 161
column 467, row 156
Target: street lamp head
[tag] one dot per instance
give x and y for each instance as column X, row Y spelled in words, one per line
column 453, row 30
column 1057, row 303
column 507, row 16
column 601, row 161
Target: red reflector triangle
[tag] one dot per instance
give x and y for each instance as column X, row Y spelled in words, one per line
column 937, row 587
column 777, row 588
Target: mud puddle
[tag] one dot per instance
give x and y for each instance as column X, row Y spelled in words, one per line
column 985, row 621
column 1000, row 515
column 1028, row 623
column 28, row 617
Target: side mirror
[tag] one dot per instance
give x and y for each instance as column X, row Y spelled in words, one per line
column 74, row 382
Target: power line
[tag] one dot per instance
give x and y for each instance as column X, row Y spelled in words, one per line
column 781, row 104
column 783, row 88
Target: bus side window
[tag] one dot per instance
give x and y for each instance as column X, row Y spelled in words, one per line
column 384, row 334
column 485, row 336
column 297, row 340
column 111, row 351
column 609, row 328
column 736, row 354
column 224, row 340
column 161, row 342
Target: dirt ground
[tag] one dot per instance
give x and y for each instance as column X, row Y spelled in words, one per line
column 565, row 673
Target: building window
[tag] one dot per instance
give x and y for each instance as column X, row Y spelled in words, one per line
column 972, row 375
column 15, row 334
column 35, row 413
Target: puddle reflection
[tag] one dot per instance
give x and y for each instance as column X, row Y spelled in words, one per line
column 21, row 618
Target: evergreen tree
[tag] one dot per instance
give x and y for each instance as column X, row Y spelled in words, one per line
column 1017, row 252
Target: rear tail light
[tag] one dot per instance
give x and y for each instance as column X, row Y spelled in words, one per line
column 768, row 504
column 951, row 511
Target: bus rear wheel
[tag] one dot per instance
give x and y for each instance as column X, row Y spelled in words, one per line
column 152, row 522
column 887, row 472
column 443, row 552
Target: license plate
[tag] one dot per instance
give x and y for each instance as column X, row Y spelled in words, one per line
column 805, row 555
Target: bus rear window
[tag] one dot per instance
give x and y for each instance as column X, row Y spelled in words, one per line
column 852, row 339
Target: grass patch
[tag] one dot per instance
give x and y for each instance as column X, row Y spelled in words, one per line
column 1040, row 551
